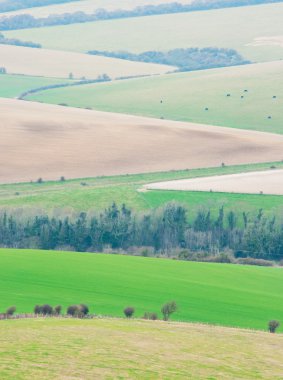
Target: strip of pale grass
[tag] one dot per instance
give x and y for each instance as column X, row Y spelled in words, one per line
column 120, row 349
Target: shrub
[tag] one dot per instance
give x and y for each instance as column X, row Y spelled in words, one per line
column 72, row 310
column 168, row 309
column 252, row 261
column 79, row 311
column 83, row 309
column 40, row 180
column 46, row 309
column 273, row 326
column 129, row 311
column 152, row 316
column 57, row 310
column 37, row 309
column 11, row 310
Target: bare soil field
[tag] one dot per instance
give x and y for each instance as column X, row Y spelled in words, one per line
column 88, row 6
column 59, row 64
column 267, row 182
column 48, row 141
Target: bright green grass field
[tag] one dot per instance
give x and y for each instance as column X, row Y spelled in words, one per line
column 229, row 28
column 12, row 86
column 185, row 97
column 100, row 192
column 224, row 294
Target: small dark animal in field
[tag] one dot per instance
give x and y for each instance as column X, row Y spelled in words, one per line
column 228, row 95
column 242, row 97
column 245, row 90
column 274, row 97
column 161, row 101
column 206, row 109
column 269, row 117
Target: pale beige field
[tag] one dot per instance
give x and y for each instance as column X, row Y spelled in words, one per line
column 39, row 140
column 134, row 349
column 89, row 6
column 267, row 182
column 59, row 64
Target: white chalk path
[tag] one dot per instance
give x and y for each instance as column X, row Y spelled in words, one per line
column 266, row 182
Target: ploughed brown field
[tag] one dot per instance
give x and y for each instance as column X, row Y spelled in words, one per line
column 48, row 141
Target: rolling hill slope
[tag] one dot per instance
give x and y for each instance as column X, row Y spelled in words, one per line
column 246, row 97
column 50, row 141
column 237, row 28
column 52, row 63
column 231, row 295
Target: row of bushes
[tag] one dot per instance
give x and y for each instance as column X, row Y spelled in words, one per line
column 82, row 311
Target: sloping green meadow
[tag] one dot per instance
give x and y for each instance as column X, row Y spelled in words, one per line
column 230, row 295
column 245, row 97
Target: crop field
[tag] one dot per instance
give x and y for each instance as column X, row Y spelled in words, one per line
column 50, row 63
column 246, row 97
column 11, row 86
column 237, row 28
column 224, row 294
column 88, row 6
column 98, row 143
column 71, row 196
column 266, row 182
column 33, row 349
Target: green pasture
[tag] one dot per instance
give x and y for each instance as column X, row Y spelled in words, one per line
column 230, row 295
column 97, row 193
column 246, row 97
column 11, row 86
column 235, row 28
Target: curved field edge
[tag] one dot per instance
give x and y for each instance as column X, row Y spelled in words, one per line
column 229, row 295
column 97, row 193
column 244, row 97
column 147, row 350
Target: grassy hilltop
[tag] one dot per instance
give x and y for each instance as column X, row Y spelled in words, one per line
column 111, row 348
column 229, row 295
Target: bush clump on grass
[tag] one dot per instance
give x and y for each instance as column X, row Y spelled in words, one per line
column 43, row 309
column 252, row 261
column 129, row 312
column 11, row 311
column 151, row 316
column 273, row 326
column 79, row 311
column 168, row 309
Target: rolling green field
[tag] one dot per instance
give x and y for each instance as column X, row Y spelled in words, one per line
column 98, row 193
column 119, row 349
column 186, row 96
column 228, row 295
column 12, row 86
column 236, row 28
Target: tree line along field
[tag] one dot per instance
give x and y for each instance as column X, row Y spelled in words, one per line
column 87, row 6
column 237, row 28
column 172, row 350
column 59, row 64
column 72, row 196
column 245, row 97
column 228, row 295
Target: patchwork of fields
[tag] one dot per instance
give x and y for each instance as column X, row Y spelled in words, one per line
column 246, row 97
column 88, row 6
column 147, row 350
column 237, row 28
column 50, row 63
column 230, row 295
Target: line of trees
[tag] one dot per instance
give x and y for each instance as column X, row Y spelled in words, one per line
column 185, row 59
column 164, row 231
column 14, row 5
column 16, row 42
column 28, row 21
